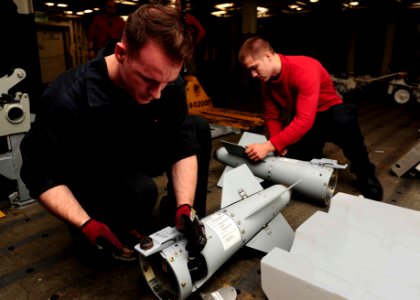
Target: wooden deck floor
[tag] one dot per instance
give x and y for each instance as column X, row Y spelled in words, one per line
column 37, row 262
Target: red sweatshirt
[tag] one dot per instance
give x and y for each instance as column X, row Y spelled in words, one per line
column 103, row 28
column 303, row 88
column 196, row 29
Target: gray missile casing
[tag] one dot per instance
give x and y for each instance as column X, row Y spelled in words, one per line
column 227, row 230
column 318, row 182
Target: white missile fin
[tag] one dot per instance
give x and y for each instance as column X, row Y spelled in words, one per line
column 227, row 169
column 237, row 184
column 277, row 233
column 251, row 138
column 220, row 182
column 246, row 139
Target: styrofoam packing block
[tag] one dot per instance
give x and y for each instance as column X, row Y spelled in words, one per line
column 291, row 278
column 374, row 212
column 361, row 249
column 293, row 281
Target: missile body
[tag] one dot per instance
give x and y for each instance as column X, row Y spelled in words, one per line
column 252, row 220
column 318, row 180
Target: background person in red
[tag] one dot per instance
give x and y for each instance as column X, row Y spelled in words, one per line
column 197, row 32
column 303, row 111
column 194, row 26
column 104, row 27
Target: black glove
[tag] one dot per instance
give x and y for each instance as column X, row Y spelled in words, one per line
column 187, row 221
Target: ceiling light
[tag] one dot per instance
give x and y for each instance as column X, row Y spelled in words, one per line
column 128, row 3
column 262, row 10
column 88, row 11
column 353, row 3
column 224, row 6
column 220, row 13
column 415, row 5
column 49, row 4
column 313, row 1
column 62, row 5
column 293, row 6
column 68, row 12
column 80, row 13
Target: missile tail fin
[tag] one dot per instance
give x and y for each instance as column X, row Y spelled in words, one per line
column 227, row 169
column 251, row 138
column 277, row 233
column 239, row 183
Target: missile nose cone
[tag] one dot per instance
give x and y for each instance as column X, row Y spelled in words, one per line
column 219, row 153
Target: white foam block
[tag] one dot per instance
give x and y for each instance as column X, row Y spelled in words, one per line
column 360, row 249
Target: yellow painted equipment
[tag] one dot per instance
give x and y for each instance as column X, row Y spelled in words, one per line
column 199, row 103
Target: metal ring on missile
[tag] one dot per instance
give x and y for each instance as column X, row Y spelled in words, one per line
column 163, row 289
column 331, row 187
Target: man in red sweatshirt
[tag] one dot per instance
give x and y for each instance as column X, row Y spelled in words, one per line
column 303, row 111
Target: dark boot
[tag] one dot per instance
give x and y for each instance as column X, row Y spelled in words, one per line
column 370, row 187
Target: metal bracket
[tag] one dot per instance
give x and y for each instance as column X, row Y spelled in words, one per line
column 408, row 161
column 7, row 82
column 332, row 163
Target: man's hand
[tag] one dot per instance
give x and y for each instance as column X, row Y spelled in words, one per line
column 283, row 152
column 257, row 152
column 187, row 221
column 100, row 235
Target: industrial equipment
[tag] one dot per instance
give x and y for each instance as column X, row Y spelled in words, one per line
column 249, row 215
column 15, row 121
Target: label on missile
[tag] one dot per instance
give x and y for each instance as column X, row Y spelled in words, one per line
column 226, row 229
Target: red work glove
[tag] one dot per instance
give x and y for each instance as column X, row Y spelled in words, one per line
column 100, row 235
column 187, row 221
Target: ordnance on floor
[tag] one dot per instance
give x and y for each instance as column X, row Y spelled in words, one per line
column 319, row 176
column 249, row 215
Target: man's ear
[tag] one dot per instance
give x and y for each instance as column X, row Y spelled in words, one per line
column 120, row 52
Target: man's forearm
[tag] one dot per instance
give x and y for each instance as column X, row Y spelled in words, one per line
column 60, row 201
column 184, row 177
